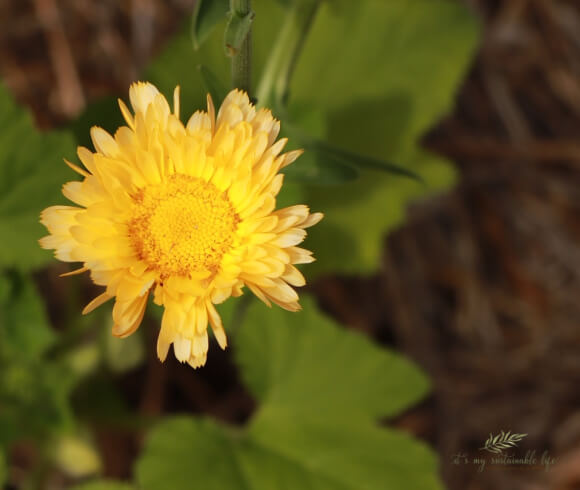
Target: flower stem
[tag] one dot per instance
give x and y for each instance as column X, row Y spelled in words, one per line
column 273, row 87
column 242, row 60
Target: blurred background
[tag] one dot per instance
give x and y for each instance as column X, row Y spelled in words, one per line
column 480, row 286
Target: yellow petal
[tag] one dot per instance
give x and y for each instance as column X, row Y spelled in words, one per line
column 104, row 142
column 182, row 348
column 76, row 168
column 142, row 95
column 75, row 272
column 95, row 303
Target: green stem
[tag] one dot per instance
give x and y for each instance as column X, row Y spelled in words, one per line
column 242, row 60
column 273, row 87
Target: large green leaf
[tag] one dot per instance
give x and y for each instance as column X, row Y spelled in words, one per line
column 389, row 70
column 292, row 362
column 395, row 56
column 185, row 452
column 321, row 389
column 294, row 453
column 31, row 175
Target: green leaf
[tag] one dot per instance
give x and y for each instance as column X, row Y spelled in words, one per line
column 312, row 167
column 207, row 14
column 292, row 361
column 397, row 68
column 330, row 152
column 237, row 30
column 321, row 389
column 182, row 452
column 104, row 484
column 326, row 455
column 384, row 51
column 24, row 327
column 366, row 210
column 200, row 450
column 31, row 175
column 319, row 170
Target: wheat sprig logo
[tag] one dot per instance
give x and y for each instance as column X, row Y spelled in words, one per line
column 504, row 440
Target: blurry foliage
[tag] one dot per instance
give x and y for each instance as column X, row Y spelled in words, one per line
column 2, row 467
column 372, row 77
column 34, row 388
column 76, row 456
column 104, row 485
column 31, row 176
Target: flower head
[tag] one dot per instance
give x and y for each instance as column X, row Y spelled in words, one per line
column 185, row 212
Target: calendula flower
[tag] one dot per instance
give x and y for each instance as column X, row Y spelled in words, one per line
column 185, row 212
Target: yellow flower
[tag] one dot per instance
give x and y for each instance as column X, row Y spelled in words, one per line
column 187, row 212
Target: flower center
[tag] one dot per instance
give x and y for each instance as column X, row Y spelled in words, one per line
column 182, row 225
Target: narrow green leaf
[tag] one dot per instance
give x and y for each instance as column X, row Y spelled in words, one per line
column 329, row 151
column 237, row 29
column 320, row 170
column 212, row 85
column 358, row 214
column 207, row 14
column 332, row 156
